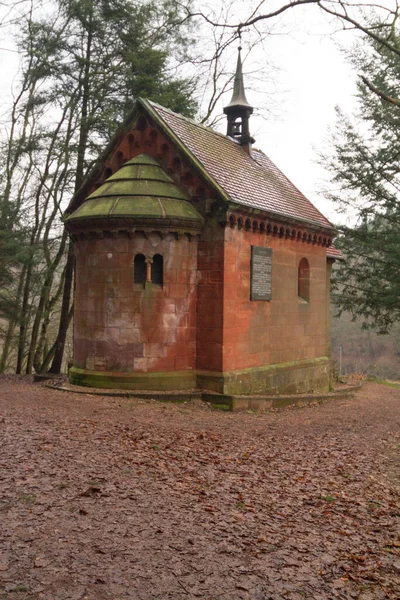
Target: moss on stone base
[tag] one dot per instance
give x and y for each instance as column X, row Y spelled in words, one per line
column 297, row 377
column 180, row 380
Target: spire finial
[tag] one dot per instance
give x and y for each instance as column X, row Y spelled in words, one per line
column 239, row 94
column 239, row 110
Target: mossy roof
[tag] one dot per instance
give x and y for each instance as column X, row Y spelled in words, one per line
column 140, row 189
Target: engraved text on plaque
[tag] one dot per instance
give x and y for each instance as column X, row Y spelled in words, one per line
column 261, row 273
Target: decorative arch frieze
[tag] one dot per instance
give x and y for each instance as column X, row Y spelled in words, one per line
column 272, row 228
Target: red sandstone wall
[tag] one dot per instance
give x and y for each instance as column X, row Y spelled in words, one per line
column 258, row 333
column 210, row 298
column 120, row 326
column 136, row 331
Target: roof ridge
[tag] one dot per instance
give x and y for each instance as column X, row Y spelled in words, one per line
column 205, row 127
column 192, row 122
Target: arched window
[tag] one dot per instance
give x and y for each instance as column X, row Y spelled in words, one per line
column 139, row 269
column 157, row 269
column 304, row 280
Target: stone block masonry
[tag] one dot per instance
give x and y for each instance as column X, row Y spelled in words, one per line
column 124, row 327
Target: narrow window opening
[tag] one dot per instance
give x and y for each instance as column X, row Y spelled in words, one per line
column 141, row 124
column 304, row 280
column 237, row 128
column 119, row 160
column 139, row 269
column 176, row 167
column 131, row 142
column 153, row 136
column 157, row 269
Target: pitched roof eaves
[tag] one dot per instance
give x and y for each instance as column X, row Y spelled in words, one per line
column 280, row 195
column 188, row 153
column 151, row 109
column 334, row 253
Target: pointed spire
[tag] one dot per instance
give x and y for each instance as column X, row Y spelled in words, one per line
column 239, row 95
column 238, row 111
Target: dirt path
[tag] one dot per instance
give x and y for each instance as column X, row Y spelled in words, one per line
column 102, row 498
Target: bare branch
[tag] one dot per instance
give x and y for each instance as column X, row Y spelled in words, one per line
column 379, row 93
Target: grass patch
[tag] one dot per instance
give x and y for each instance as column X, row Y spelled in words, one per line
column 27, row 498
column 384, row 382
column 62, row 485
column 20, row 588
column 225, row 407
column 329, row 498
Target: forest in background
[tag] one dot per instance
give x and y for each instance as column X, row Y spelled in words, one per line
column 363, row 351
column 82, row 64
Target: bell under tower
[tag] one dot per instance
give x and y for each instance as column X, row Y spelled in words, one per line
column 238, row 111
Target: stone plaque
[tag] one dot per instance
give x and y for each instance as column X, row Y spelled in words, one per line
column 261, row 273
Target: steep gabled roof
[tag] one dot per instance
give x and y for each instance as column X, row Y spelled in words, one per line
column 252, row 181
column 248, row 181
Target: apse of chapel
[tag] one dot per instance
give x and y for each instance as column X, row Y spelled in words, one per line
column 144, row 137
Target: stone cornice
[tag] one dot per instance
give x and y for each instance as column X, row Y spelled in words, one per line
column 261, row 224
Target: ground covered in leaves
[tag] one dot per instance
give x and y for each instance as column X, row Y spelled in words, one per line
column 107, row 498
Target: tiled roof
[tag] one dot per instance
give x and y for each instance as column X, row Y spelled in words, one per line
column 250, row 181
column 332, row 252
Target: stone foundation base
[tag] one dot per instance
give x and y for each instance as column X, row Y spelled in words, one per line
column 299, row 377
column 217, row 401
column 174, row 380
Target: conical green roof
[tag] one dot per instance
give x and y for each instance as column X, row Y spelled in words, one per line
column 141, row 191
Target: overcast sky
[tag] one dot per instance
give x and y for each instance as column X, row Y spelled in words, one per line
column 311, row 76
column 317, row 78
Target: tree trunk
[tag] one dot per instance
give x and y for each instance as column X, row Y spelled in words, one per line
column 23, row 319
column 80, row 167
column 11, row 325
column 64, row 317
column 43, row 302
column 50, row 354
column 41, row 349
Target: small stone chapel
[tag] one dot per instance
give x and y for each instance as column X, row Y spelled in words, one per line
column 199, row 265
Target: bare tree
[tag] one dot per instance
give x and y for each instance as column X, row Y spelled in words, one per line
column 80, row 71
